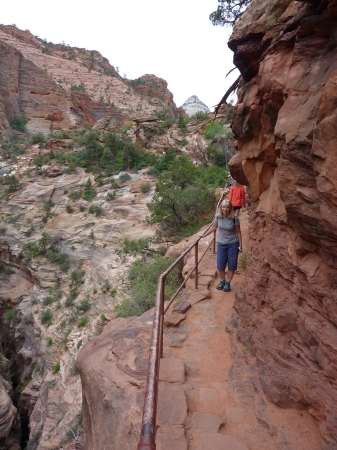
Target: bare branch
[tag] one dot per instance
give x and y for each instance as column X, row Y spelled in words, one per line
column 232, row 88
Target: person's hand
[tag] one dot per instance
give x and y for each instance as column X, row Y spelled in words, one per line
column 240, row 248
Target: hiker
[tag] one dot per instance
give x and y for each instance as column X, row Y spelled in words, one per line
column 237, row 197
column 229, row 243
column 230, row 181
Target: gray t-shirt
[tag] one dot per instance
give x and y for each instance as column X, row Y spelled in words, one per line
column 227, row 231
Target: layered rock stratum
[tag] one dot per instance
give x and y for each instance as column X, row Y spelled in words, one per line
column 62, row 87
column 285, row 129
column 193, row 105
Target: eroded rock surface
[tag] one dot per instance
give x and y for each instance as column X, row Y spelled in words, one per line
column 53, row 85
column 284, row 123
column 113, row 370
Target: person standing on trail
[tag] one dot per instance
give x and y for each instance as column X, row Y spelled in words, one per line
column 230, row 180
column 229, row 243
column 237, row 197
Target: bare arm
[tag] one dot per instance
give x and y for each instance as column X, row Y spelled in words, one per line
column 238, row 232
column 211, row 230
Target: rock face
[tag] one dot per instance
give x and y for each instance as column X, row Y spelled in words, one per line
column 64, row 87
column 285, row 127
column 193, row 105
column 113, row 370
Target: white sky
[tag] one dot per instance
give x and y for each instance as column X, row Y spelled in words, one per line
column 174, row 40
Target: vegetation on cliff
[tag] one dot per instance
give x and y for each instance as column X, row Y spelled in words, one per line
column 228, row 12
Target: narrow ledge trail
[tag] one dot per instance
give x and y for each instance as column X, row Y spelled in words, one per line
column 209, row 393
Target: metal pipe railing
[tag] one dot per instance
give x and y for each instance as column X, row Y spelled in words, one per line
column 147, row 441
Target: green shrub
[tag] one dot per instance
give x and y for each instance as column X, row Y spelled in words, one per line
column 49, row 341
column 83, row 322
column 56, row 368
column 80, row 87
column 213, row 176
column 48, row 300
column 76, row 278
column 105, row 285
column 124, row 177
column 182, row 121
column 82, row 208
column 89, row 192
column 71, row 297
column 84, row 305
column 145, row 187
column 200, row 116
column 110, row 196
column 103, row 318
column 38, row 138
column 113, row 292
column 47, row 317
column 97, row 210
column 144, row 275
column 69, row 209
column 94, row 291
column 114, row 184
column 10, row 314
column 18, row 124
column 214, row 130
column 75, row 195
column 65, row 337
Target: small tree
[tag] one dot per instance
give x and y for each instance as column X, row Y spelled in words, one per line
column 89, row 191
column 228, row 12
column 38, row 161
column 180, row 197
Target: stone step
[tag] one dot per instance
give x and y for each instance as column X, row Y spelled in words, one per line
column 173, row 319
column 182, row 307
column 209, row 273
column 203, row 281
column 197, row 296
column 172, row 405
column 171, row 438
column 217, row 441
column 172, row 370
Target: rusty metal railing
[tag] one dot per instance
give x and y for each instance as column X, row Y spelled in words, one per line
column 147, row 441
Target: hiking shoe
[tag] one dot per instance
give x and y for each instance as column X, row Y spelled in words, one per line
column 221, row 285
column 227, row 286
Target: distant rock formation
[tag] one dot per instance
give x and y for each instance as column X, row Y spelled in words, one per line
column 194, row 105
column 55, row 86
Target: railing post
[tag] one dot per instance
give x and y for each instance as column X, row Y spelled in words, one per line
column 214, row 239
column 196, row 257
column 161, row 323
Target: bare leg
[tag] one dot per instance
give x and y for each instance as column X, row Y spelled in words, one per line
column 222, row 274
column 230, row 275
column 237, row 212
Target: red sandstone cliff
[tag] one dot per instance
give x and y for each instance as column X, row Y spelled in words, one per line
column 70, row 87
column 285, row 125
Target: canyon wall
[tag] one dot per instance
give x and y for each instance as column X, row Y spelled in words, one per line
column 63, row 87
column 286, row 135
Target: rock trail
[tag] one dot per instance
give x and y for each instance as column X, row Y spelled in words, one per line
column 209, row 400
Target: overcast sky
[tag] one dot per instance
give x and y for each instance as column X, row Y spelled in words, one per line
column 174, row 40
